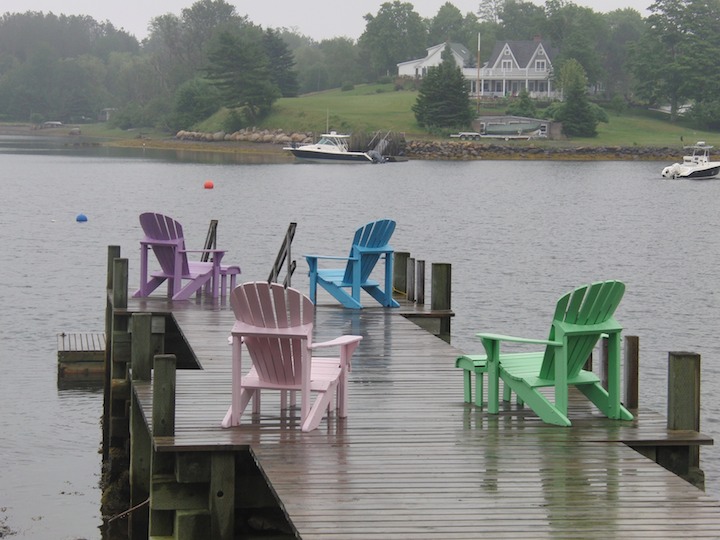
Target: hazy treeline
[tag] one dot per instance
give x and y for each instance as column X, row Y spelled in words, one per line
column 69, row 68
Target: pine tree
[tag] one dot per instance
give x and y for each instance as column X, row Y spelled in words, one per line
column 576, row 113
column 443, row 100
column 239, row 70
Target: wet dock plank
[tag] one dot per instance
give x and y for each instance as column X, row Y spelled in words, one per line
column 413, row 461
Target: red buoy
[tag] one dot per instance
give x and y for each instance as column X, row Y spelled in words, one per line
column 209, row 184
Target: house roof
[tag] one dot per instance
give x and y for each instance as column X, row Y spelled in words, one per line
column 458, row 50
column 522, row 51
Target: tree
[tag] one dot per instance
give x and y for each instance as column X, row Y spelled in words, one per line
column 447, row 25
column 682, row 36
column 195, row 100
column 396, row 34
column 489, row 10
column 523, row 106
column 443, row 100
column 239, row 69
column 520, row 20
column 281, row 63
column 576, row 114
column 625, row 27
column 579, row 33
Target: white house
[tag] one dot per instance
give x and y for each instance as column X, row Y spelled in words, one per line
column 513, row 65
column 418, row 68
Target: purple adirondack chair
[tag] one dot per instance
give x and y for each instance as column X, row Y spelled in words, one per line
column 165, row 237
column 275, row 324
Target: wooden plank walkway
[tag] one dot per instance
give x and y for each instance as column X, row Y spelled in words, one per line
column 413, row 461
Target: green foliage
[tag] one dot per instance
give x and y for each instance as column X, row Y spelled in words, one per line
column 194, row 101
column 618, row 105
column 280, row 63
column 396, row 34
column 128, row 117
column 234, row 121
column 523, row 105
column 238, row 67
column 675, row 61
column 579, row 118
column 706, row 114
column 443, row 100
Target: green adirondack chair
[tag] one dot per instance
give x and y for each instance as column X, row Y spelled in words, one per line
column 581, row 318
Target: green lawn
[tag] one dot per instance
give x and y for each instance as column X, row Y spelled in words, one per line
column 379, row 107
column 370, row 108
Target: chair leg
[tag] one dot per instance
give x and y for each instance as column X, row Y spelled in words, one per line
column 479, row 383
column 232, row 417
column 467, row 386
column 317, row 410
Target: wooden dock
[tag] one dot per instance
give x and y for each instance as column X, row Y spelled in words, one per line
column 81, row 356
column 411, row 460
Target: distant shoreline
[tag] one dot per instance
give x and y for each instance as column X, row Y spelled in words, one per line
column 440, row 150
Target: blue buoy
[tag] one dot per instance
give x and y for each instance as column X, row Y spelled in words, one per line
column 81, row 218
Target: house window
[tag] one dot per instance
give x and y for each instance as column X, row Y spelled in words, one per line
column 507, row 65
column 540, row 65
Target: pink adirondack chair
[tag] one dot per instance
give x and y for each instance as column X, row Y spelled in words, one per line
column 275, row 324
column 165, row 237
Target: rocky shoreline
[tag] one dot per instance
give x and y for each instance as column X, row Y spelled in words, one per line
column 451, row 150
column 271, row 140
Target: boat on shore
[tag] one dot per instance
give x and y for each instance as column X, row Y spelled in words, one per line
column 512, row 127
column 333, row 147
column 696, row 164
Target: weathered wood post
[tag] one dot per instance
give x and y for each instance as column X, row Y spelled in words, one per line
column 683, row 414
column 400, row 264
column 631, row 366
column 410, row 280
column 140, row 440
column 420, row 283
column 113, row 253
column 163, row 425
column 441, row 281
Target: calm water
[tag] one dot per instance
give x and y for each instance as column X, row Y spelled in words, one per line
column 518, row 235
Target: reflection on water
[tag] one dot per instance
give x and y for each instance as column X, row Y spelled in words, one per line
column 518, row 235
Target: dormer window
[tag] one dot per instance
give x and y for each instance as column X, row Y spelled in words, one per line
column 507, row 65
column 540, row 65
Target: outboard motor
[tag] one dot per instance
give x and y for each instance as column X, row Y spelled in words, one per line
column 376, row 156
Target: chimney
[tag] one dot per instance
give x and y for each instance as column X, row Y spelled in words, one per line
column 537, row 38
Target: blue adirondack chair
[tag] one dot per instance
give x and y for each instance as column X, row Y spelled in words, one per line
column 581, row 318
column 368, row 246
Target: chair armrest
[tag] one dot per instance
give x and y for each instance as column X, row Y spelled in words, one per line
column 328, row 257
column 339, row 341
column 216, row 251
column 515, row 339
column 348, row 344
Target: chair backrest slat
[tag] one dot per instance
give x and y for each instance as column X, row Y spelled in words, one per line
column 375, row 235
column 589, row 305
column 277, row 360
column 164, row 228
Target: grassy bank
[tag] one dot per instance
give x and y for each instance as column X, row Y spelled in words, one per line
column 370, row 108
column 381, row 108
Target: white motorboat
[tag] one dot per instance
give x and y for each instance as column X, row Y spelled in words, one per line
column 694, row 165
column 332, row 148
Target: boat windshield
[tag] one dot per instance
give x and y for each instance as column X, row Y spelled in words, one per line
column 333, row 141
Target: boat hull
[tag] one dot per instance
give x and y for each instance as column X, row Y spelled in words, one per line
column 703, row 173
column 315, row 156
